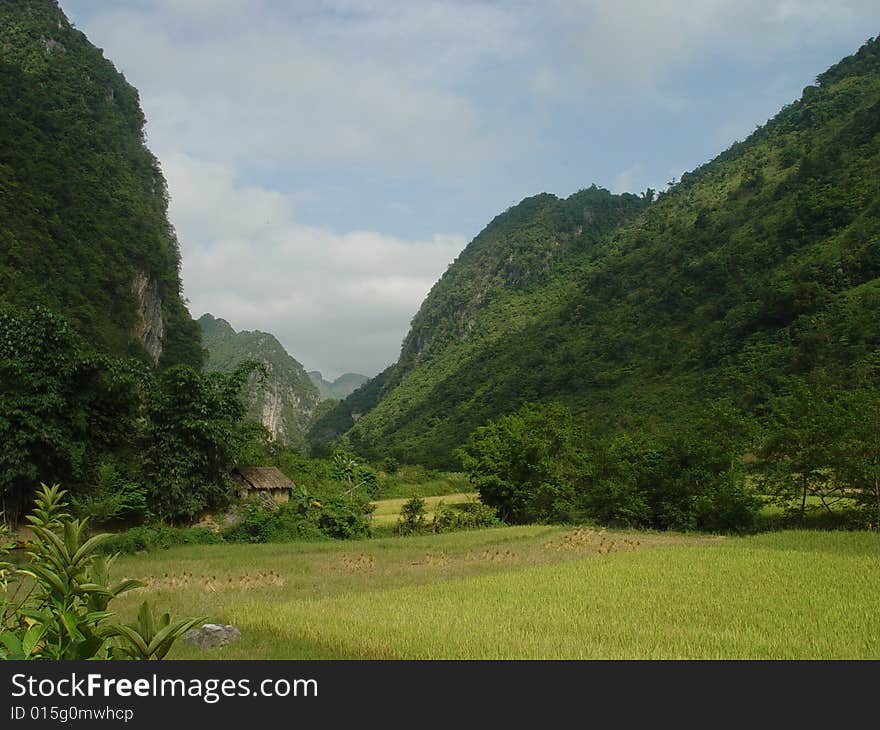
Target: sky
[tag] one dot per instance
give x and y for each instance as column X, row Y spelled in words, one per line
column 328, row 159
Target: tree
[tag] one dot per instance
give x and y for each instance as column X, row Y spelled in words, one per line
column 858, row 453
column 191, row 441
column 61, row 406
column 525, row 464
column 799, row 451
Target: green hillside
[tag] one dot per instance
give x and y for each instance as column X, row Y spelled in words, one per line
column 83, row 225
column 755, row 269
column 284, row 400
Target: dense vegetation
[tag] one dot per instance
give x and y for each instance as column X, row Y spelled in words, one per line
column 82, row 201
column 821, row 451
column 753, row 276
column 125, row 439
column 283, row 397
column 56, row 606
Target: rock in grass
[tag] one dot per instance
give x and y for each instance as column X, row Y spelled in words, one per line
column 211, row 636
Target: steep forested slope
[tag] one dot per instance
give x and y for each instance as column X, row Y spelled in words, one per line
column 758, row 267
column 83, row 226
column 284, row 399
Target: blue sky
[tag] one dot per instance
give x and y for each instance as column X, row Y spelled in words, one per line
column 327, row 159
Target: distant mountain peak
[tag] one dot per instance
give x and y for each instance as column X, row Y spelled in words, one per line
column 285, row 399
column 339, row 388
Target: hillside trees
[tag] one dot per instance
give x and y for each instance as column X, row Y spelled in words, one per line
column 191, row 439
column 62, row 408
column 758, row 268
column 541, row 464
column 98, row 423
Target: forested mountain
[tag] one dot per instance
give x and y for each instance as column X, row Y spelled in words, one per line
column 283, row 399
column 756, row 269
column 337, row 389
column 83, row 224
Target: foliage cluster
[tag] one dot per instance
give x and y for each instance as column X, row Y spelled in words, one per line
column 57, row 605
column 538, row 465
column 447, row 518
column 126, row 439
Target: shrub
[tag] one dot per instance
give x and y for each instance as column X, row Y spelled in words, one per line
column 283, row 523
column 64, row 614
column 465, row 516
column 412, row 518
column 112, row 498
column 158, row 537
column 343, row 518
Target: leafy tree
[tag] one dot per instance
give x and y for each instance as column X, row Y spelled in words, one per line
column 191, row 439
column 413, row 518
column 524, row 464
column 858, row 449
column 62, row 408
column 799, row 451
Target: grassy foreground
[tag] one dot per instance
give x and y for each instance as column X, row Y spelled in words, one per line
column 530, row 592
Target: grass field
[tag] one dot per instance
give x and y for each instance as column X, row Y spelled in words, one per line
column 387, row 511
column 529, row 592
column 415, row 481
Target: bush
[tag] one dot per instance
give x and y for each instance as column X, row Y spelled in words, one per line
column 342, row 518
column 159, row 537
column 285, row 523
column 112, row 498
column 465, row 516
column 412, row 517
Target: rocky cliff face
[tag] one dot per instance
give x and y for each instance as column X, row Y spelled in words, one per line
column 285, row 399
column 149, row 330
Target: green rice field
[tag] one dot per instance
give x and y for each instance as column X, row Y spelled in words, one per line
column 529, row 592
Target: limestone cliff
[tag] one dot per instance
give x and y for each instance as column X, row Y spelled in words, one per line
column 149, row 329
column 285, row 399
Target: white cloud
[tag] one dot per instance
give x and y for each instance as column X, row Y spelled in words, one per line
column 628, row 180
column 336, row 301
column 633, row 46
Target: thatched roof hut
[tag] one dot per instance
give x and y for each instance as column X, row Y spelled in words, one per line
column 263, row 480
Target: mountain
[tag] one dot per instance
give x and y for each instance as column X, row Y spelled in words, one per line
column 755, row 269
column 285, row 399
column 337, row 389
column 83, row 205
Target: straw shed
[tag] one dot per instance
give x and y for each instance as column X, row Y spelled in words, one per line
column 263, row 480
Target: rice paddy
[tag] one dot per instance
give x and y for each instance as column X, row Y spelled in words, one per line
column 529, row 592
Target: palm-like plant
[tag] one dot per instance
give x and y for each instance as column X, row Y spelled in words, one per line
column 63, row 612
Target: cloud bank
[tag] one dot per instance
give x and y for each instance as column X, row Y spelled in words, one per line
column 327, row 159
